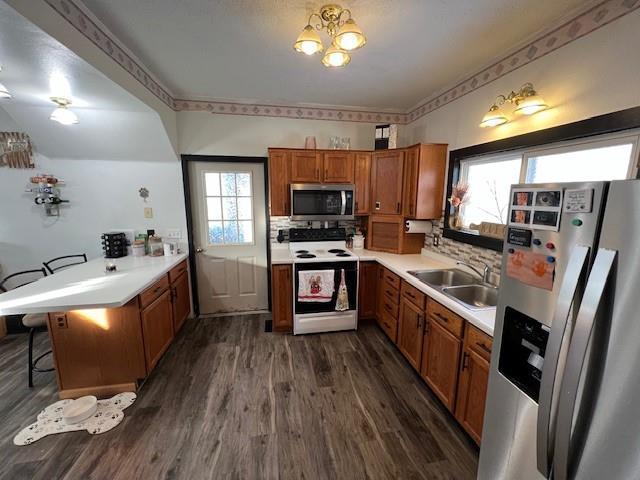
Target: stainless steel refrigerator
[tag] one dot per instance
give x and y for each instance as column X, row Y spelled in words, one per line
column 564, row 387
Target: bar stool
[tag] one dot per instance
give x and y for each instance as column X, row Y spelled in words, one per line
column 35, row 322
column 51, row 268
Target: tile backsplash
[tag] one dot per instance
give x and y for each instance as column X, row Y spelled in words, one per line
column 463, row 251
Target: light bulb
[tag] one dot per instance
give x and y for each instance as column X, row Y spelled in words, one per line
column 308, row 41
column 64, row 116
column 308, row 47
column 334, row 57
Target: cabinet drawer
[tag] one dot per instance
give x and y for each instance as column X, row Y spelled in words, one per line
column 479, row 342
column 389, row 325
column 154, row 291
column 414, row 295
column 391, row 279
column 390, row 307
column 391, row 294
column 445, row 317
column 175, row 272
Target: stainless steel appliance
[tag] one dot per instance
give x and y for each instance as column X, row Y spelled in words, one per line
column 564, row 387
column 314, row 201
column 324, row 250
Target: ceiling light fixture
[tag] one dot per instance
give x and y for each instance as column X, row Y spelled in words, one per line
column 62, row 114
column 4, row 91
column 345, row 35
column 526, row 101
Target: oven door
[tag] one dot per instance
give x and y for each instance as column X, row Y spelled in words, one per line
column 351, row 281
column 322, row 202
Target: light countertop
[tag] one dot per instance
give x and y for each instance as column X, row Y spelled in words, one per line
column 87, row 286
column 400, row 265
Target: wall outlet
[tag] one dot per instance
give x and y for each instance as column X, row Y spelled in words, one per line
column 174, row 233
column 436, row 240
column 148, row 212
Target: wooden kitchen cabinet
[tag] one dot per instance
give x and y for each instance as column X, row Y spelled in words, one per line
column 338, row 167
column 423, row 181
column 181, row 300
column 157, row 328
column 362, row 179
column 386, row 182
column 473, row 384
column 387, row 303
column 282, row 297
column 279, row 197
column 306, row 166
column 386, row 234
column 367, row 290
column 411, row 324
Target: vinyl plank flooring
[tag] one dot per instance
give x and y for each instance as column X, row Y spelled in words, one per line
column 228, row 400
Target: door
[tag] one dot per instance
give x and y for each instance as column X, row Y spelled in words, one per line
column 229, row 232
column 386, row 182
column 157, row 329
column 440, row 360
column 410, row 332
column 338, row 167
column 363, row 182
column 305, row 167
column 472, row 393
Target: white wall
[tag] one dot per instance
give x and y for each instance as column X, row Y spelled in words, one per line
column 596, row 74
column 207, row 134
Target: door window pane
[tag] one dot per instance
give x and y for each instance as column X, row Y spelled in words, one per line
column 214, row 210
column 229, row 198
column 489, row 186
column 604, row 163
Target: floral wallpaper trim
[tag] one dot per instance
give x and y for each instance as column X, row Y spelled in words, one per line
column 583, row 24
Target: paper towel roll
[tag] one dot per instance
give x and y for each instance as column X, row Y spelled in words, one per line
column 418, row 226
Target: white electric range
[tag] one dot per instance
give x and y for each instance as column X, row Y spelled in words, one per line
column 322, row 254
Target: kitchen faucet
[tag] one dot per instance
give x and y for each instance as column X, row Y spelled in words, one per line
column 485, row 274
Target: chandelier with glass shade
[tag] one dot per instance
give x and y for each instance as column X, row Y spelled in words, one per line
column 342, row 29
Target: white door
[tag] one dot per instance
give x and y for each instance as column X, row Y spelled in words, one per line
column 230, row 230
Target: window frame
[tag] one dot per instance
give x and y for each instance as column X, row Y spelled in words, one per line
column 612, row 127
column 205, row 209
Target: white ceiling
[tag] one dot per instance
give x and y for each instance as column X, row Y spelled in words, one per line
column 242, row 49
column 113, row 123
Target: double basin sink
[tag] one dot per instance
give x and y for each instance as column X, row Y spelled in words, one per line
column 461, row 286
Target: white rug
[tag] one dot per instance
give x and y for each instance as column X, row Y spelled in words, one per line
column 108, row 415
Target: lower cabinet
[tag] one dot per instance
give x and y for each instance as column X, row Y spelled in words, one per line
column 282, row 297
column 157, row 328
column 410, row 332
column 181, row 301
column 474, row 378
column 367, row 290
column 440, row 360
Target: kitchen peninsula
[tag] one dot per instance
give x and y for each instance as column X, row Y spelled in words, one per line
column 108, row 330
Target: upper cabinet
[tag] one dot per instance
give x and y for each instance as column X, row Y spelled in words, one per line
column 279, row 198
column 306, row 166
column 362, row 177
column 386, row 182
column 338, row 167
column 423, row 184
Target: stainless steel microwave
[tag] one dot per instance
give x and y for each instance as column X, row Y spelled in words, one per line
column 315, row 201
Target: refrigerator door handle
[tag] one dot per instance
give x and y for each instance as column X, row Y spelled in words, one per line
column 593, row 300
column 576, row 269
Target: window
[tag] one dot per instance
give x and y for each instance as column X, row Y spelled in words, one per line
column 489, row 178
column 229, row 207
column 489, row 182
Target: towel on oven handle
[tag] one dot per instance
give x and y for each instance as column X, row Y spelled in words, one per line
column 316, row 285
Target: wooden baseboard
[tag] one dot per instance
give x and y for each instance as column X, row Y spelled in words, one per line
column 101, row 391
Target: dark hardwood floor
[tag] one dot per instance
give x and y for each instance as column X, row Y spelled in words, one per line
column 230, row 401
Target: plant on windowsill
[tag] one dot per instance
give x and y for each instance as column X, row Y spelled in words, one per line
column 459, row 195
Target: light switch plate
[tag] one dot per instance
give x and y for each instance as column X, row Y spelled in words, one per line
column 174, row 233
column 148, row 212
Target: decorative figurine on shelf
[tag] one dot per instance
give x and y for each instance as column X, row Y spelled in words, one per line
column 459, row 195
column 47, row 193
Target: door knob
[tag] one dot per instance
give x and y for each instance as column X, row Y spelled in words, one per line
column 199, row 250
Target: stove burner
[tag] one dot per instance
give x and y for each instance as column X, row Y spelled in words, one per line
column 306, row 255
column 336, row 250
column 343, row 254
column 302, row 251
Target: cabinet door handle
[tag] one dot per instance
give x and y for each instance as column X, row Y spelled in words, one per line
column 411, row 209
column 398, row 208
column 483, row 347
column 419, row 322
column 357, row 209
column 410, row 295
column 465, row 361
column 317, row 173
column 426, row 329
column 441, row 317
